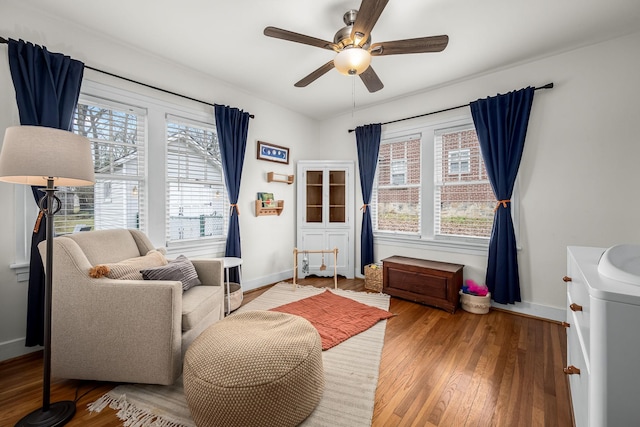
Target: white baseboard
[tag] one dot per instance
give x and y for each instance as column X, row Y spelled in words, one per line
column 536, row 310
column 15, row 348
column 248, row 285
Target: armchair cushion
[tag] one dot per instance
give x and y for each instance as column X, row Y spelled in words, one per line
column 197, row 303
column 180, row 269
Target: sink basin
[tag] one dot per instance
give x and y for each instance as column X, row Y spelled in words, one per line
column 621, row 262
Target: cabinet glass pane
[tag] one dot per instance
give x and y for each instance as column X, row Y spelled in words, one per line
column 314, row 196
column 337, row 177
column 337, row 193
column 336, row 214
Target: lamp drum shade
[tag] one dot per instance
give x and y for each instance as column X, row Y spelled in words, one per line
column 32, row 154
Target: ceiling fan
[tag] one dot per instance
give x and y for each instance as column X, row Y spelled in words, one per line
column 353, row 45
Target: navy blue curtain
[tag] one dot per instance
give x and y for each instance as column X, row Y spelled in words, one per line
column 368, row 145
column 501, row 124
column 232, row 125
column 47, row 87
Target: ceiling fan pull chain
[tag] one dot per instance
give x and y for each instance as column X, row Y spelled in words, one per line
column 353, row 95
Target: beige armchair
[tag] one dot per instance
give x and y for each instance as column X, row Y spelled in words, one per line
column 124, row 330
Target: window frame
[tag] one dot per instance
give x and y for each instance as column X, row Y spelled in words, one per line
column 105, row 195
column 158, row 105
column 221, row 184
column 427, row 238
column 401, row 137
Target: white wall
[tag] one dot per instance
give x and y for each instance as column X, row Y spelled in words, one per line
column 579, row 174
column 267, row 241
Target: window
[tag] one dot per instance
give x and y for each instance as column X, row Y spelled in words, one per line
column 397, row 195
column 459, row 161
column 158, row 169
column 464, row 200
column 117, row 136
column 432, row 187
column 399, row 172
column 195, row 190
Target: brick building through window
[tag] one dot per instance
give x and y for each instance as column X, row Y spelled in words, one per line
column 463, row 201
column 464, row 198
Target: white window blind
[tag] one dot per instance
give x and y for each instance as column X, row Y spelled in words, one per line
column 117, row 135
column 196, row 194
column 463, row 198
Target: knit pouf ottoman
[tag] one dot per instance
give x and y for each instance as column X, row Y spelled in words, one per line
column 258, row 368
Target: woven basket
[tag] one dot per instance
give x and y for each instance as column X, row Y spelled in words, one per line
column 475, row 304
column 373, row 277
column 236, row 296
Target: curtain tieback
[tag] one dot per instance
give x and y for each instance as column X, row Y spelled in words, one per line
column 36, row 227
column 234, row 205
column 364, row 208
column 503, row 203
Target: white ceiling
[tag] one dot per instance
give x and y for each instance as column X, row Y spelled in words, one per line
column 224, row 39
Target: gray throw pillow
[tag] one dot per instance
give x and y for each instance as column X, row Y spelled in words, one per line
column 179, row 269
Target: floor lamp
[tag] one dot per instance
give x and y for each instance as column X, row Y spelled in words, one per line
column 37, row 155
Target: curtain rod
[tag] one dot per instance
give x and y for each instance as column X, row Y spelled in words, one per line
column 5, row 41
column 547, row 86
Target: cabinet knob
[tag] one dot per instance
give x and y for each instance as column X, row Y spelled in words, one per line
column 575, row 307
column 566, row 279
column 570, row 370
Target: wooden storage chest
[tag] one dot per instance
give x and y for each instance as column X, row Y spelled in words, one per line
column 427, row 282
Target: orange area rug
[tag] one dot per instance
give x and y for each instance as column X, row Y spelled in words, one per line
column 335, row 317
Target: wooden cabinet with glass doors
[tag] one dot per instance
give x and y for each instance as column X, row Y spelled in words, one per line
column 315, row 201
column 325, row 213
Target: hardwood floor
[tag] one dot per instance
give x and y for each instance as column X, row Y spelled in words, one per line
column 437, row 369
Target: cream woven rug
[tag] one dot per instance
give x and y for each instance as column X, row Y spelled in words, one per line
column 351, row 375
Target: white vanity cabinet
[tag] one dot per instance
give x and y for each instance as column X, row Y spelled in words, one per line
column 603, row 343
column 325, row 216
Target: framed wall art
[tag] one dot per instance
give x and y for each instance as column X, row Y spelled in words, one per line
column 273, row 153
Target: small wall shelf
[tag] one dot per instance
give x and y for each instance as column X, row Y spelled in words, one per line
column 279, row 177
column 272, row 210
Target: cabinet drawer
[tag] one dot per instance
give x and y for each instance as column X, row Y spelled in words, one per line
column 579, row 321
column 579, row 383
column 577, row 293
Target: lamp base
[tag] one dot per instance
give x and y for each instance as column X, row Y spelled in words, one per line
column 58, row 414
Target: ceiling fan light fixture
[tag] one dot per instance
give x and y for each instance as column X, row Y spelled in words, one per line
column 352, row 43
column 352, row 61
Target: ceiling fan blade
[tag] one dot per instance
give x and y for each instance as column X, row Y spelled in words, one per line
column 314, row 75
column 419, row 45
column 371, row 80
column 279, row 33
column 368, row 14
